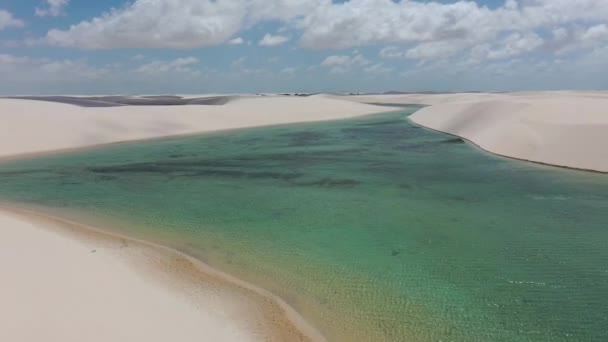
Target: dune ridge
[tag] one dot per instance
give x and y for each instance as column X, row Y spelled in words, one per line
column 119, row 101
column 566, row 129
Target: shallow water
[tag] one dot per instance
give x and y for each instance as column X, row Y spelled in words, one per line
column 372, row 228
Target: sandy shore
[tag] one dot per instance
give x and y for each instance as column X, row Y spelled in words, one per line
column 30, row 126
column 65, row 281
column 568, row 128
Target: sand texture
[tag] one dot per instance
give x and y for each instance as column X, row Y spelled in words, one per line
column 63, row 281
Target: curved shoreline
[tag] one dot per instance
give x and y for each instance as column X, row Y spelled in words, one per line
column 562, row 129
column 296, row 327
column 474, row 144
column 563, row 132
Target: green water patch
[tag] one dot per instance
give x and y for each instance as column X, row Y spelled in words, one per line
column 373, row 228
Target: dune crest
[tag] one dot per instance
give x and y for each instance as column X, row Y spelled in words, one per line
column 568, row 129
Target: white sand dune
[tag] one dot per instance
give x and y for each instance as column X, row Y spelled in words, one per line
column 28, row 126
column 58, row 289
column 62, row 281
column 54, row 288
column 566, row 128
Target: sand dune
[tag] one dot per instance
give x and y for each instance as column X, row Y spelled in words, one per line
column 118, row 101
column 30, row 126
column 66, row 282
column 58, row 289
column 61, row 287
column 565, row 128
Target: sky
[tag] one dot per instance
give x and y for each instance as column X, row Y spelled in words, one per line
column 250, row 46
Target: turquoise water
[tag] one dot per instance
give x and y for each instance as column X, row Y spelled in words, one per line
column 372, row 228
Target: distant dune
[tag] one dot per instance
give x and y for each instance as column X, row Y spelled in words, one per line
column 40, row 124
column 567, row 128
column 117, row 101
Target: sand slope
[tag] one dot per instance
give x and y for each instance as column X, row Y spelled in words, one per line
column 28, row 126
column 64, row 282
column 567, row 129
column 58, row 289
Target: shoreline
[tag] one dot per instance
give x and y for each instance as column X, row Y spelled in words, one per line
column 495, row 154
column 91, row 127
column 562, row 129
column 32, row 155
column 281, row 321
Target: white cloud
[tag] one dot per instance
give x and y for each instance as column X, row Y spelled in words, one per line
column 236, row 41
column 289, row 71
column 156, row 24
column 566, row 40
column 8, row 20
column 514, row 45
column 377, row 69
column 431, row 30
column 392, row 52
column 435, row 50
column 27, row 69
column 596, row 33
column 272, row 40
column 418, row 30
column 363, row 22
column 177, row 65
column 340, row 64
column 345, row 60
column 240, row 62
column 138, row 57
column 52, row 8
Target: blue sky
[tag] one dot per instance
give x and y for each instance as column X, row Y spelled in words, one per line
column 198, row 46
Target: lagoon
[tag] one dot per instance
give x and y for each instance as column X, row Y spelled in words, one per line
column 374, row 229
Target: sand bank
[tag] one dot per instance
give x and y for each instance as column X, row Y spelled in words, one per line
column 63, row 281
column 83, row 286
column 565, row 128
column 31, row 126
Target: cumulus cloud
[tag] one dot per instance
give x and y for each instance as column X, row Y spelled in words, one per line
column 289, row 71
column 514, row 45
column 272, row 40
column 156, row 24
column 236, row 41
column 52, row 8
column 8, row 20
column 377, row 69
column 414, row 29
column 175, row 24
column 596, row 33
column 177, row 65
column 361, row 22
column 392, row 52
column 340, row 64
column 566, row 40
column 427, row 31
column 240, row 62
column 28, row 69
